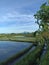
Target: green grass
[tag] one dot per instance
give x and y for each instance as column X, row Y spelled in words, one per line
column 16, row 38
column 45, row 59
column 32, row 58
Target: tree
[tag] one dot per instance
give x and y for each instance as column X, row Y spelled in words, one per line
column 48, row 1
column 42, row 17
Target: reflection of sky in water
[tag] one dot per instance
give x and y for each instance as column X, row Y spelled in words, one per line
column 8, row 48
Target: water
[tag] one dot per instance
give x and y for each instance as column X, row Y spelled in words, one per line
column 9, row 48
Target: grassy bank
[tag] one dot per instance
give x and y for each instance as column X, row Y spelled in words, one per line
column 45, row 58
column 18, row 39
column 32, row 58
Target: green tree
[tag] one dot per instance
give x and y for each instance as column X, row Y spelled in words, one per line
column 42, row 17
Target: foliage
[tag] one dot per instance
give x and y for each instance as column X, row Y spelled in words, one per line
column 45, row 58
column 42, row 16
column 31, row 58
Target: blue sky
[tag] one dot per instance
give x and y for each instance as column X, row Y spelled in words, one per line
column 17, row 16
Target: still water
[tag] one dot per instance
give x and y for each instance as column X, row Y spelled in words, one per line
column 9, row 48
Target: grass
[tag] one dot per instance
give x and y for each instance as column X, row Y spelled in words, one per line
column 32, row 58
column 45, row 59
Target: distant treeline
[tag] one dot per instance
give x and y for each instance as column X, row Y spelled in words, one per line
column 18, row 34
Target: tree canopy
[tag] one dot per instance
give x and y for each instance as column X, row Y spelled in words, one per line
column 42, row 17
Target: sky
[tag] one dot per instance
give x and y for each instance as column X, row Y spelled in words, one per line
column 17, row 16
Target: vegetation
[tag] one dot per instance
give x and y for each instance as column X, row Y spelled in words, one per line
column 42, row 17
column 32, row 58
column 45, row 59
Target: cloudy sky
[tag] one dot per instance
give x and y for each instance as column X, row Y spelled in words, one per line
column 16, row 16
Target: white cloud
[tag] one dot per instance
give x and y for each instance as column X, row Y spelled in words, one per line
column 14, row 16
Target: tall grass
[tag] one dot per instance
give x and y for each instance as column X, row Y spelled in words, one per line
column 32, row 58
column 45, row 59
